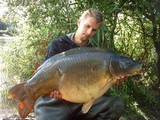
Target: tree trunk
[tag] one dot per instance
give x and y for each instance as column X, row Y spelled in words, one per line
column 156, row 41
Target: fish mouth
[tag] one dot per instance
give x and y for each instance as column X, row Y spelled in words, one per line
column 139, row 71
column 124, row 77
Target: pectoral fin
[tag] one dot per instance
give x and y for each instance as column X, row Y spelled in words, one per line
column 87, row 106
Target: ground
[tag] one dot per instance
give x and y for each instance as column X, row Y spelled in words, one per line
column 148, row 114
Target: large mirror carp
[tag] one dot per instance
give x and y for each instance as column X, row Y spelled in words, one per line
column 81, row 75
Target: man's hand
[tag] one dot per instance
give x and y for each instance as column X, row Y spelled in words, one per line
column 56, row 95
column 124, row 78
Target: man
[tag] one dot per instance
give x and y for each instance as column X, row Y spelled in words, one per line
column 104, row 108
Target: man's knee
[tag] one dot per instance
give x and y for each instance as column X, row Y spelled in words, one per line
column 117, row 108
column 105, row 108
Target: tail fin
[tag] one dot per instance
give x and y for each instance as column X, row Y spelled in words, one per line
column 25, row 103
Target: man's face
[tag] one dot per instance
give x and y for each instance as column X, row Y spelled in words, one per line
column 87, row 28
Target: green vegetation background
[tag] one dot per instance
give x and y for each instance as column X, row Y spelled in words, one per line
column 131, row 27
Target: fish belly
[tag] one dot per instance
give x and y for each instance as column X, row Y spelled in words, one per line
column 82, row 83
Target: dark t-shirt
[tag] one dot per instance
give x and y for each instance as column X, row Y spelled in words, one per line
column 62, row 44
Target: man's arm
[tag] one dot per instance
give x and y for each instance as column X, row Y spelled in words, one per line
column 52, row 49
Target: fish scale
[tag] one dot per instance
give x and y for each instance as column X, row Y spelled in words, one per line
column 81, row 75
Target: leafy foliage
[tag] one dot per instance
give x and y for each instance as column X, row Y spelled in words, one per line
column 130, row 27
